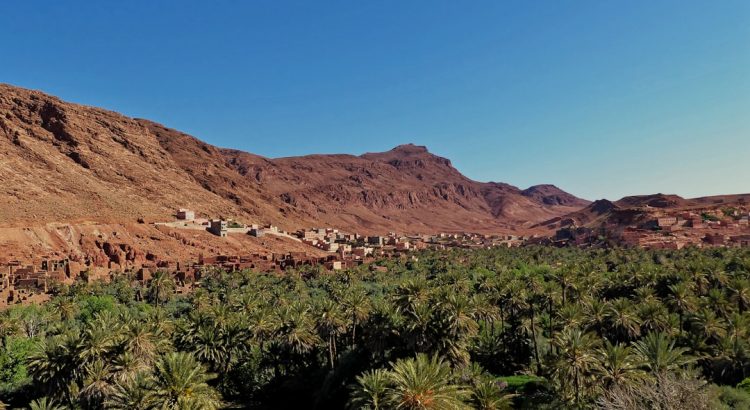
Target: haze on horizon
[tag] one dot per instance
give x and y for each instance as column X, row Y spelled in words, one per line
column 603, row 99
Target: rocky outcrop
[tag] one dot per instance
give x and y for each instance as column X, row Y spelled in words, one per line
column 552, row 195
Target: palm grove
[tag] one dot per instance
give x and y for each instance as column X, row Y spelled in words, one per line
column 534, row 327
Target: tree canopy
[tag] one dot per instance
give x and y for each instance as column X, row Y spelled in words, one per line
column 532, row 327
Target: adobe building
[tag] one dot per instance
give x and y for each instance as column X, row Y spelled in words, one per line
column 742, row 241
column 185, row 214
column 666, row 221
column 218, row 227
column 715, row 239
column 375, row 240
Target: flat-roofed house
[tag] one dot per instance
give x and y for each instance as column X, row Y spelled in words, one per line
column 743, row 241
column 715, row 239
column 218, row 227
column 375, row 240
column 185, row 214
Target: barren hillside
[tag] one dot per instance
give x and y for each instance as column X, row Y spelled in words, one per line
column 68, row 163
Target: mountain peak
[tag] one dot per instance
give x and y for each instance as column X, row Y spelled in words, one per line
column 405, row 152
column 540, row 187
column 410, row 149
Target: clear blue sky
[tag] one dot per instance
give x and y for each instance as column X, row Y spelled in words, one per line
column 602, row 98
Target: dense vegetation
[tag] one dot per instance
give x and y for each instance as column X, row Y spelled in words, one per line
column 533, row 327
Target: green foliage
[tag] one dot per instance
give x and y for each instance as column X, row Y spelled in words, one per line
column 744, row 385
column 734, row 398
column 45, row 403
column 709, row 217
column 519, row 382
column 90, row 305
column 576, row 328
column 729, row 211
column 181, row 382
column 13, row 372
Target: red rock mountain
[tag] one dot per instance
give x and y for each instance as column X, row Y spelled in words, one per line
column 68, row 163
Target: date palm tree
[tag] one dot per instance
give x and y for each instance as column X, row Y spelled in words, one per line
column 623, row 319
column 457, row 315
column 97, row 385
column 488, row 395
column 411, row 293
column 577, row 356
column 297, row 332
column 658, row 354
column 66, row 307
column 181, row 382
column 571, row 316
column 54, row 363
column 356, row 307
column 382, row 327
column 681, row 298
column 370, row 391
column 45, row 403
column 263, row 325
column 653, row 315
column 330, row 324
column 618, row 365
column 567, row 283
column 160, row 288
column 125, row 366
column 740, row 293
column 96, row 342
column 709, row 324
column 144, row 341
column 207, row 345
column 424, row 383
column 596, row 313
column 133, row 394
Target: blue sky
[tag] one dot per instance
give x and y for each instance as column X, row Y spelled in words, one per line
column 602, row 98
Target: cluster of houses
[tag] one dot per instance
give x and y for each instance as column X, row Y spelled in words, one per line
column 220, row 227
column 345, row 244
column 33, row 281
column 694, row 228
column 331, row 240
column 669, row 230
column 20, row 282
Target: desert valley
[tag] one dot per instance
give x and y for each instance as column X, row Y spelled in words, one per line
column 90, row 194
column 384, row 205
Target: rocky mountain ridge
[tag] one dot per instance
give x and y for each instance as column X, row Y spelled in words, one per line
column 68, row 163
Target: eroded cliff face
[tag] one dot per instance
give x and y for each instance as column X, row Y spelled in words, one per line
column 68, row 163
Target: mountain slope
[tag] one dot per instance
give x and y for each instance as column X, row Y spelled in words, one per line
column 65, row 162
column 70, row 163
